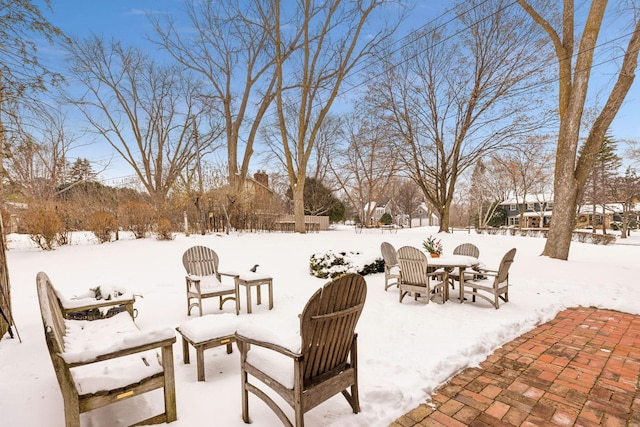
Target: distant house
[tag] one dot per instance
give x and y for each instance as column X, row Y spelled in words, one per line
column 536, row 211
column 423, row 216
column 607, row 214
column 374, row 211
column 587, row 218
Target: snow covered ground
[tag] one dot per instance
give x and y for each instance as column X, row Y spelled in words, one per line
column 405, row 351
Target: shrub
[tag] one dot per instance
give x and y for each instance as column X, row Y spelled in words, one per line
column 44, row 227
column 164, row 230
column 136, row 217
column 331, row 264
column 386, row 218
column 102, row 225
column 375, row 267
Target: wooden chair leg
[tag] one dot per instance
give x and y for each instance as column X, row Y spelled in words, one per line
column 185, row 352
column 243, row 379
column 200, row 363
column 169, row 384
column 71, row 410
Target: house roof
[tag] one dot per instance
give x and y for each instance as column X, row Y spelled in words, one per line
column 531, row 198
column 609, row 208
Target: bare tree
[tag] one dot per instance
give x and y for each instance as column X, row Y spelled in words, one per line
column 38, row 144
column 147, row 112
column 232, row 49
column 407, row 197
column 21, row 74
column 526, row 166
column 452, row 94
column 574, row 77
column 627, row 191
column 330, row 134
column 367, row 165
column 600, row 186
column 309, row 76
column 486, row 190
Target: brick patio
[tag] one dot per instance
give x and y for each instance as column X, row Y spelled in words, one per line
column 580, row 369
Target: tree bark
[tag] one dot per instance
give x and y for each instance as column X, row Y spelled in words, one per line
column 298, row 208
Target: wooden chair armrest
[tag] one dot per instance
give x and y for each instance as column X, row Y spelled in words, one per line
column 191, row 279
column 474, row 274
column 79, row 359
column 234, row 275
column 275, row 347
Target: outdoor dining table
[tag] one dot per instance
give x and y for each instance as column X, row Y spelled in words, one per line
column 448, row 263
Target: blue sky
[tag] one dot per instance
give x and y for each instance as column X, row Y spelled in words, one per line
column 126, row 20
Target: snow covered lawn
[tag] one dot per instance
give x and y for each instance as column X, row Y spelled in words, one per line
column 405, row 351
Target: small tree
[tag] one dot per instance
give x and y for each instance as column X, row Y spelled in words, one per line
column 627, row 190
column 386, row 218
column 600, row 186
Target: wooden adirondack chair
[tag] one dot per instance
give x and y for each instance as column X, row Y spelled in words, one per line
column 326, row 363
column 391, row 267
column 83, row 352
column 415, row 276
column 204, row 280
column 490, row 290
column 467, row 249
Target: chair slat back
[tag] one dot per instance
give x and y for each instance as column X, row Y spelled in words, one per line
column 468, row 249
column 51, row 312
column 200, row 261
column 503, row 269
column 389, row 254
column 327, row 325
column 413, row 266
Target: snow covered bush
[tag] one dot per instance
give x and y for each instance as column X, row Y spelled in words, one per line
column 331, row 264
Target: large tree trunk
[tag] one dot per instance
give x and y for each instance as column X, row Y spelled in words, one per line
column 444, row 219
column 564, row 219
column 298, row 207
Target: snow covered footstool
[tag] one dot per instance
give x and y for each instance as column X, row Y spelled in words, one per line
column 206, row 332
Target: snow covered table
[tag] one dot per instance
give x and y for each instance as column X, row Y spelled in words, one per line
column 206, row 332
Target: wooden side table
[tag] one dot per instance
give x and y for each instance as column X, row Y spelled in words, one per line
column 249, row 280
